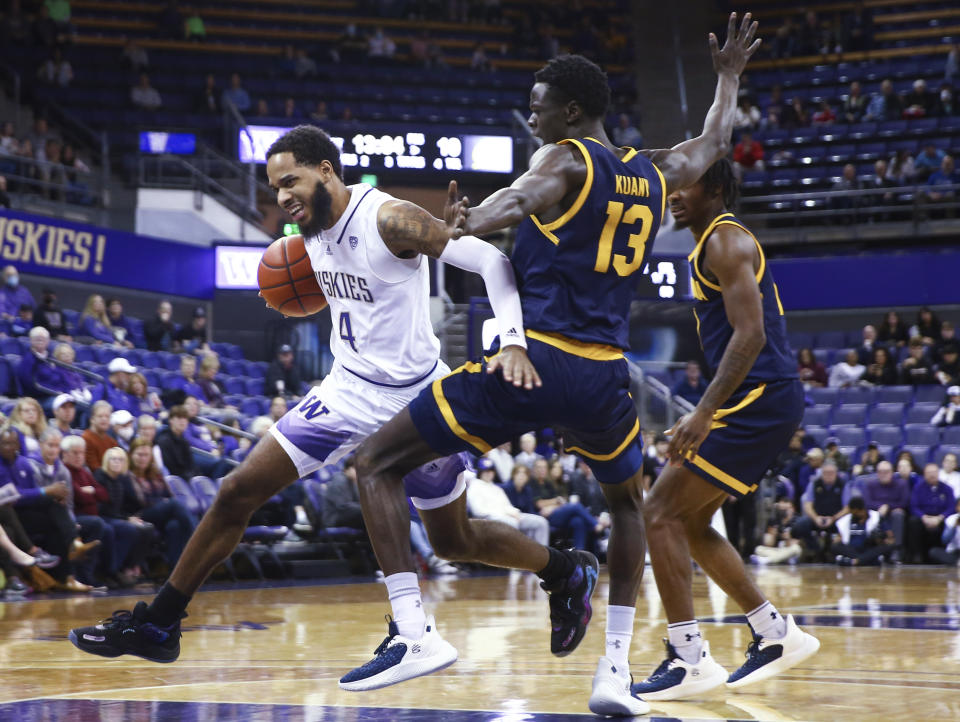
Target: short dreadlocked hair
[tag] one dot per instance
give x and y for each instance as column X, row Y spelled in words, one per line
column 720, row 176
column 573, row 77
column 309, row 146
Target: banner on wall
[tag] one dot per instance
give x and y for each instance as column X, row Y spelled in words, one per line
column 79, row 252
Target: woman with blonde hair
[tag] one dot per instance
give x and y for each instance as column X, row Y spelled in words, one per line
column 28, row 419
column 148, row 401
column 94, row 321
column 121, row 511
column 206, row 378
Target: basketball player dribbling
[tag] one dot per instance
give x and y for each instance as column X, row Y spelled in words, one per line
column 368, row 252
column 587, row 211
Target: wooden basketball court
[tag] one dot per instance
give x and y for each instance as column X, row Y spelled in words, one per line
column 890, row 636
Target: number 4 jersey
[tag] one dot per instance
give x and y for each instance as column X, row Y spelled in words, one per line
column 379, row 304
column 574, row 273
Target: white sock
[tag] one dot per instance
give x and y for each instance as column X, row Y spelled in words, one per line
column 686, row 640
column 619, row 633
column 404, row 592
column 767, row 621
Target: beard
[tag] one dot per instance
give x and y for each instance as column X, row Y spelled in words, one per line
column 320, row 204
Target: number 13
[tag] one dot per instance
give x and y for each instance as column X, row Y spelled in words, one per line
column 637, row 241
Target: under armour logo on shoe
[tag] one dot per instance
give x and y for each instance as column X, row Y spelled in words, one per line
column 419, row 604
column 615, row 644
column 773, row 615
column 691, row 637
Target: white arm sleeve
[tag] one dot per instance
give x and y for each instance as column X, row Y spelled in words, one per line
column 472, row 254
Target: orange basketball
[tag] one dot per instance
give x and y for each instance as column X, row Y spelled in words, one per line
column 286, row 279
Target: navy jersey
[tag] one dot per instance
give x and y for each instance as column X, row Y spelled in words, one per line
column 574, row 273
column 776, row 361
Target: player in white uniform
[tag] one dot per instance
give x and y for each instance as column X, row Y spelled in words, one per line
column 367, row 250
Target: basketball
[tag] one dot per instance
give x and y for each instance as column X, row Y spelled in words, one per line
column 286, row 279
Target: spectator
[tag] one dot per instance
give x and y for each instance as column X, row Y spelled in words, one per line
column 810, row 36
column 949, row 474
column 53, row 172
column 380, row 48
column 902, row 168
column 120, row 510
column 927, row 327
column 919, row 102
column 96, row 438
column 122, row 428
column 892, row 330
column 147, row 432
column 120, row 325
column 159, row 331
column 64, row 413
column 304, row 66
column 854, row 104
column 320, row 114
column 930, row 504
column 94, row 322
column 278, row 407
column 4, row 196
column 263, row 109
column 880, row 182
column 9, row 145
column 28, row 420
column 75, row 171
column 486, row 500
column 654, row 461
column 810, row 469
column 949, row 413
column 869, row 460
column 889, row 496
column 949, row 552
column 56, row 70
column 626, row 134
column 778, row 546
column 418, row 50
column 948, row 336
column 519, row 491
column 157, row 505
column 50, row 317
column 775, row 108
column 136, row 56
column 116, row 389
column 290, row 111
column 528, row 455
column 948, row 103
column 13, row 295
column 847, row 373
column 193, row 27
column 585, row 489
column 144, row 96
column 747, row 154
column 881, row 370
column 236, row 94
column 884, row 105
column 812, row 373
column 914, row 475
column 822, row 506
column 947, row 175
column 283, row 376
column 206, row 380
column 951, row 69
column 64, row 353
column 948, row 369
column 351, row 47
column 502, row 461
column 848, row 182
column 38, row 376
column 479, row 62
column 831, row 450
column 208, row 99
column 797, row 115
column 747, row 116
column 865, row 351
column 917, row 368
column 42, row 510
column 858, row 28
column 928, row 162
column 692, row 386
column 572, row 519
column 860, row 539
column 194, row 335
column 174, row 448
column 38, row 138
column 341, row 500
column 824, row 115
column 186, row 381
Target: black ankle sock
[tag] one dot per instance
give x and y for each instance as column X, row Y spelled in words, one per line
column 560, row 565
column 168, row 606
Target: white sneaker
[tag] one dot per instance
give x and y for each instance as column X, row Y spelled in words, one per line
column 767, row 657
column 441, row 566
column 677, row 679
column 398, row 659
column 611, row 694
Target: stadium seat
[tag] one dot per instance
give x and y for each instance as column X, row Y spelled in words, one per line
column 250, row 407
column 234, row 385
column 884, row 434
column 169, row 361
column 857, row 395
column 10, row 346
column 921, row 453
column 894, row 394
column 950, row 435
column 183, row 493
column 936, row 456
column 887, row 414
column 824, row 356
column 234, row 367
column 818, row 415
column 105, row 354
column 921, row 413
column 824, row 396
column 7, row 377
column 831, row 339
column 850, row 435
column 254, row 387
column 151, row 360
column 818, row 433
column 849, row 415
column 930, row 393
column 921, row 434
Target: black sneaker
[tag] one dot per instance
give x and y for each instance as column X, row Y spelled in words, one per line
column 570, row 609
column 130, row 633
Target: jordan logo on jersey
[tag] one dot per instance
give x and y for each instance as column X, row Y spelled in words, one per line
column 336, row 284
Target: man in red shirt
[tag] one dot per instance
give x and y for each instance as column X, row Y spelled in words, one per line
column 747, row 154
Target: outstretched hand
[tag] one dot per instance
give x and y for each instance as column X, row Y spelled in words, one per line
column 738, row 48
column 455, row 211
column 516, row 367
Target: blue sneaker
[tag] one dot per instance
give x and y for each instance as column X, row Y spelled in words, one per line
column 678, row 679
column 398, row 659
column 767, row 657
column 570, row 609
column 128, row 632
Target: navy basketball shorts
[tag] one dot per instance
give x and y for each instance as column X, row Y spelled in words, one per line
column 748, row 435
column 585, row 397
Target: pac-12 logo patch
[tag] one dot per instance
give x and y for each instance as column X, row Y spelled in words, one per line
column 353, row 242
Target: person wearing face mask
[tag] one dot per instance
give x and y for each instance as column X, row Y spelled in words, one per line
column 159, row 330
column 13, row 295
column 122, row 428
column 948, row 104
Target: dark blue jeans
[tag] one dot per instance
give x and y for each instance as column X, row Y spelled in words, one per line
column 93, row 528
column 174, row 523
column 577, row 521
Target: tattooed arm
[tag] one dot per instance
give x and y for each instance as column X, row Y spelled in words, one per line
column 732, row 260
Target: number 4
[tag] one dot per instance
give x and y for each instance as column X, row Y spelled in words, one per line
column 637, row 241
column 346, row 332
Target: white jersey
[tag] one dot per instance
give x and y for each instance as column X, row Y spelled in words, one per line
column 379, row 304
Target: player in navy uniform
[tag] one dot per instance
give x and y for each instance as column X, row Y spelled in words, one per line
column 746, row 417
column 587, row 212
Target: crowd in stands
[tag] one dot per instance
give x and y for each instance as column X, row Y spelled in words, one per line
column 41, row 163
